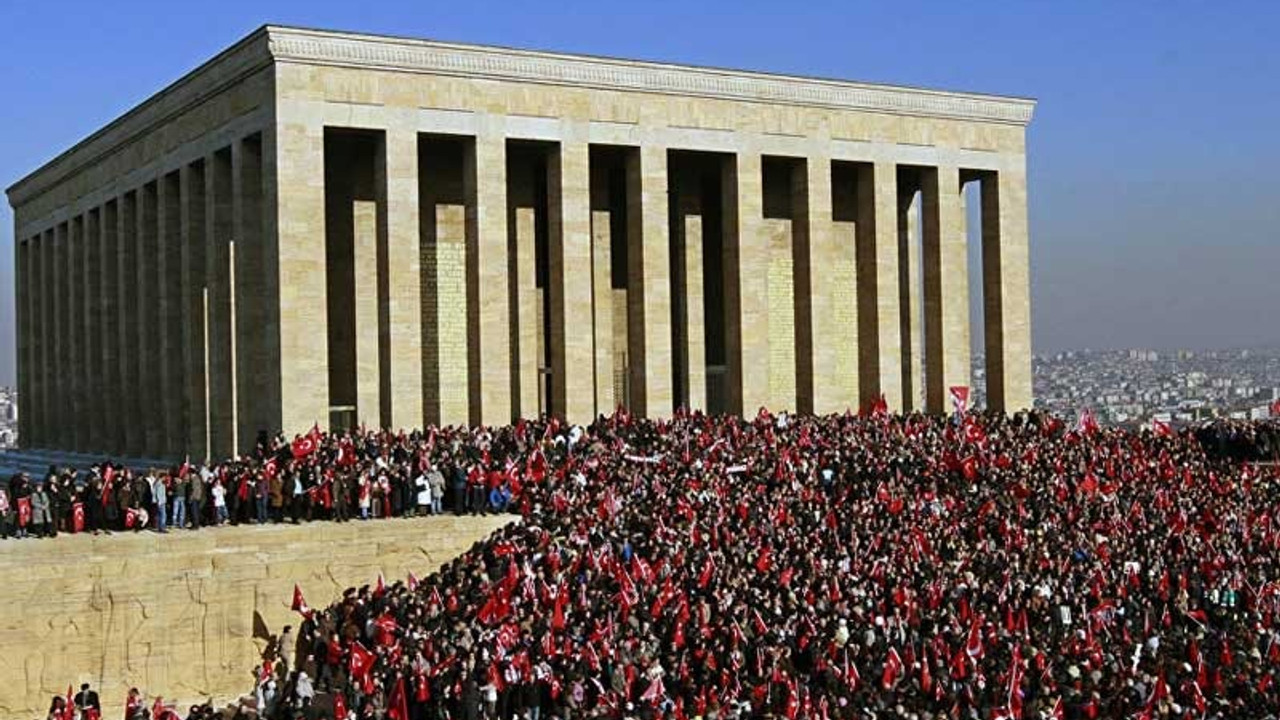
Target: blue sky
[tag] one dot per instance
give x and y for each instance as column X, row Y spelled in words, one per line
column 1154, row 155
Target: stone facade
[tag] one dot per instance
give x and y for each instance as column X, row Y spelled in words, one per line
column 188, row 615
column 318, row 227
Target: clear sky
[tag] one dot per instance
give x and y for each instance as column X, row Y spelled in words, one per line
column 1154, row 152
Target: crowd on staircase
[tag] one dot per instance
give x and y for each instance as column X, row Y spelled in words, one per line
column 848, row 566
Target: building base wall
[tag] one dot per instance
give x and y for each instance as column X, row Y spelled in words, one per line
column 187, row 614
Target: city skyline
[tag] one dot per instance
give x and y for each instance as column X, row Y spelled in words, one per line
column 1152, row 212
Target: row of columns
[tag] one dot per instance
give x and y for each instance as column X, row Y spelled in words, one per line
column 189, row 311
column 143, row 328
column 861, row 292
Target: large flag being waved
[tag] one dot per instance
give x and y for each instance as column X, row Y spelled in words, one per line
column 1088, row 422
column 1161, row 428
column 960, row 398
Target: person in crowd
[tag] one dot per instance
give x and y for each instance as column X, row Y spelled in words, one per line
column 57, row 708
column 20, row 496
column 8, row 515
column 261, row 498
column 459, row 490
column 435, row 480
column 422, row 494
column 41, row 512
column 197, row 496
column 159, row 500
column 178, row 495
column 219, row 494
column 87, row 701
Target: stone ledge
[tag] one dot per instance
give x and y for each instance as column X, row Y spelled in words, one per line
column 476, row 61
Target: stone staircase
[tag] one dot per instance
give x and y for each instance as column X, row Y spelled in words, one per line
column 35, row 462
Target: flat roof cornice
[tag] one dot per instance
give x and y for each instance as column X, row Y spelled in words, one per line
column 273, row 43
column 321, row 47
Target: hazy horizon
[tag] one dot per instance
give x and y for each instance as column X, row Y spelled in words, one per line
column 1154, row 199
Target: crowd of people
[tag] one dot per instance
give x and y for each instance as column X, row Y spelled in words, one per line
column 876, row 566
column 320, row 476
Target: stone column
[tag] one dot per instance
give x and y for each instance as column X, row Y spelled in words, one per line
column 33, row 404
column 746, row 288
column 489, row 315
column 169, row 328
column 909, row 295
column 526, row 300
column 446, row 322
column 130, row 406
column 364, row 246
column 85, row 414
column 113, row 420
column 649, row 282
column 826, row 294
column 602, row 288
column 692, row 327
column 946, row 287
column 880, row 371
column 303, row 310
column 146, row 330
column 73, row 297
column 398, row 183
column 220, row 337
column 91, row 328
column 780, row 276
column 249, row 296
column 1006, row 290
column 569, row 243
column 61, row 365
column 48, row 336
column 21, row 282
column 193, row 296
column 268, row 376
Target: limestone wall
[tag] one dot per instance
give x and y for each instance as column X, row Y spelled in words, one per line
column 176, row 615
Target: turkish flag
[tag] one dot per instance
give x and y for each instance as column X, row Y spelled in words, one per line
column 361, row 661
column 1087, row 424
column 557, row 616
column 77, row 517
column 303, row 446
column 299, row 604
column 973, row 646
column 399, row 709
column 1275, row 408
column 386, row 629
column 106, row 487
column 892, row 667
column 708, row 569
column 69, row 710
column 960, row 398
column 1161, row 428
column 339, row 706
column 346, row 454
column 24, row 512
column 880, row 407
column 655, row 693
